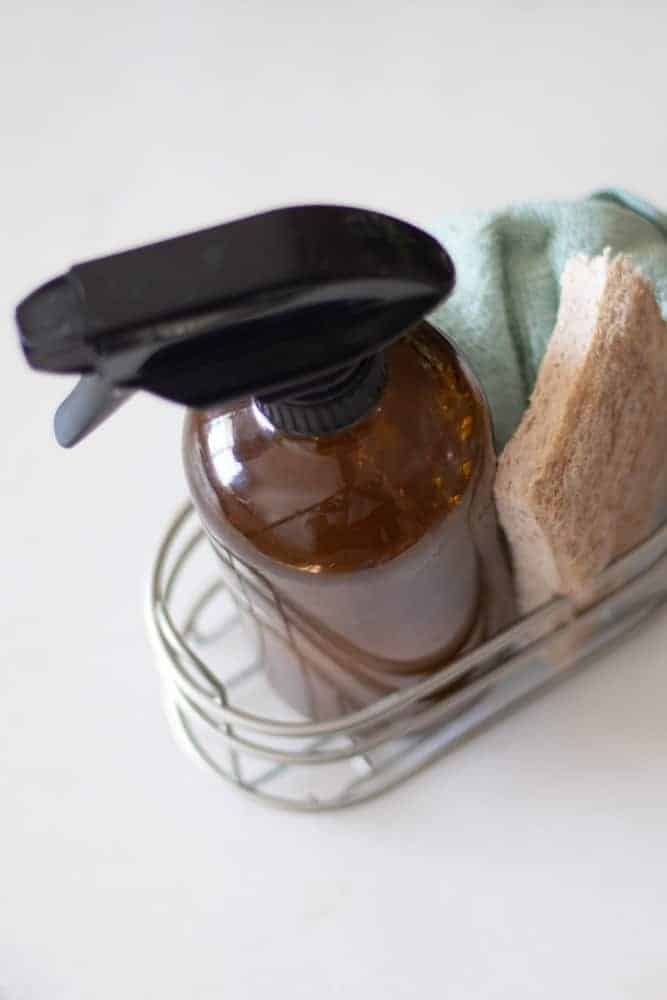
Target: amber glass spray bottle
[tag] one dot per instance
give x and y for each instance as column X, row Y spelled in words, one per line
column 337, row 447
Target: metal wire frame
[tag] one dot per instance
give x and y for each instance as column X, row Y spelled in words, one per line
column 401, row 732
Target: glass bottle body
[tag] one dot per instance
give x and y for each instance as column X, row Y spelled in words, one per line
column 372, row 555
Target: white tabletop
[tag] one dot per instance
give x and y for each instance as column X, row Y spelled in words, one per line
column 531, row 863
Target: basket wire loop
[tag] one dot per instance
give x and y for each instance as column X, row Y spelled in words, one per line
column 309, row 765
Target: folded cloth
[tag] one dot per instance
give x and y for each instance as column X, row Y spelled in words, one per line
column 509, row 264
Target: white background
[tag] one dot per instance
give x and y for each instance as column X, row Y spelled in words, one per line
column 532, row 863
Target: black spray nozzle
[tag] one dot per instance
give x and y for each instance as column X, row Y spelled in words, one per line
column 262, row 306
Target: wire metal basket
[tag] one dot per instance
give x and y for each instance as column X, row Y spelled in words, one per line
column 209, row 639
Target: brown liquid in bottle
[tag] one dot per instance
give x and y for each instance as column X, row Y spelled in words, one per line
column 369, row 552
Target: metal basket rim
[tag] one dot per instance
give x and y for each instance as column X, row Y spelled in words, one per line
column 172, row 645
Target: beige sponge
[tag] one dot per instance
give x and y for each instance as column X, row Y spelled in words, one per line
column 584, row 478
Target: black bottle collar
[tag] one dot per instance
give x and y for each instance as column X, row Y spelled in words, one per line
column 334, row 404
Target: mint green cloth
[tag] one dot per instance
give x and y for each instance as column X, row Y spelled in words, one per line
column 508, row 265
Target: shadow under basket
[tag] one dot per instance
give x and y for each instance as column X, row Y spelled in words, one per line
column 210, row 644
